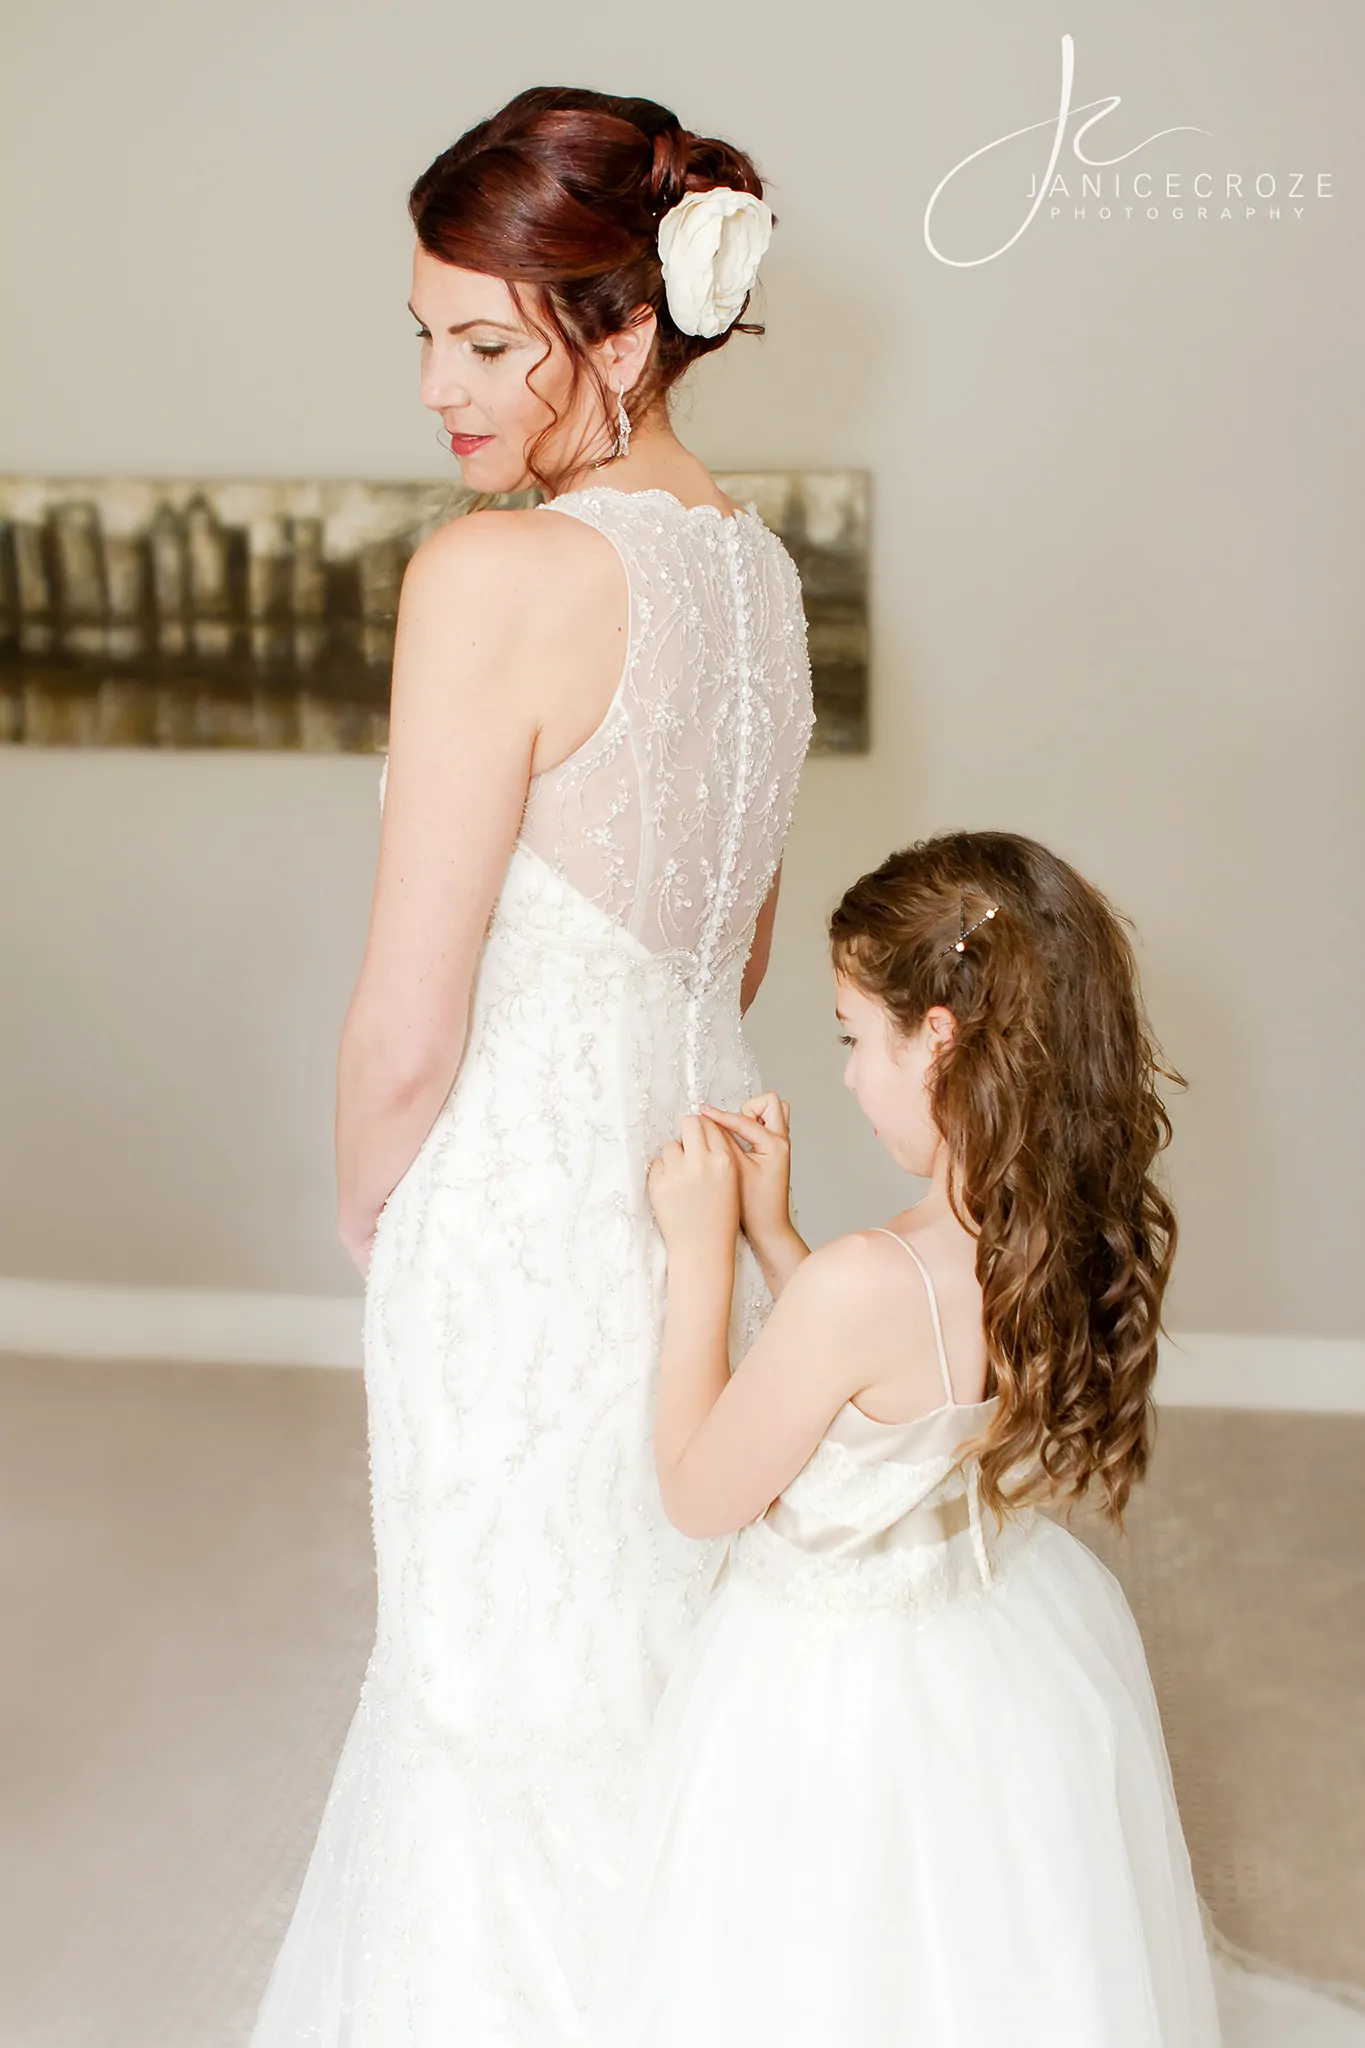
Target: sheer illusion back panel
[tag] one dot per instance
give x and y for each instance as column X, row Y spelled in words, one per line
column 670, row 816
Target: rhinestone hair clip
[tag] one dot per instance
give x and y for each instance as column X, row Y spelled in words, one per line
column 965, row 930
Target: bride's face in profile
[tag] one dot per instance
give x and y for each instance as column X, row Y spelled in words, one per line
column 477, row 357
column 888, row 1071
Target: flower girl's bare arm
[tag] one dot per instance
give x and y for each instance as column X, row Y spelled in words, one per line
column 726, row 1444
column 811, row 1356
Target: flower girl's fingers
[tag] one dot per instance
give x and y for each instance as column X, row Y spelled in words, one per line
column 733, row 1146
column 743, row 1133
column 770, row 1110
column 734, row 1119
column 700, row 1140
column 759, row 1105
column 759, row 1134
column 727, row 1149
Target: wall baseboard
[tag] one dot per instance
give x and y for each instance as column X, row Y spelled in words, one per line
column 196, row 1326
column 1206, row 1369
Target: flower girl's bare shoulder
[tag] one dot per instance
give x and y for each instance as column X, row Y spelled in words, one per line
column 858, row 1267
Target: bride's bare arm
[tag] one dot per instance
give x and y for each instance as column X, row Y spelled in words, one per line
column 462, row 736
column 757, row 964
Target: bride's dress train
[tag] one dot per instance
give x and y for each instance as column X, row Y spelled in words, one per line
column 532, row 1596
column 1260, row 2006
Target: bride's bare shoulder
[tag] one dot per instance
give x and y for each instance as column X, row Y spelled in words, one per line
column 499, row 558
column 512, row 539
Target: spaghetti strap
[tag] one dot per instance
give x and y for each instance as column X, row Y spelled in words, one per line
column 933, row 1310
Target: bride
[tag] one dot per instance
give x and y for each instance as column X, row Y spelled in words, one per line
column 600, row 710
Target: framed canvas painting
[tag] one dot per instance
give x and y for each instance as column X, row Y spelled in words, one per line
column 192, row 612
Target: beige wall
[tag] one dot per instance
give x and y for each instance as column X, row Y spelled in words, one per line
column 1116, row 569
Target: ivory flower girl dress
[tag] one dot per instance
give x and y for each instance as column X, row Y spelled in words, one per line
column 908, row 1789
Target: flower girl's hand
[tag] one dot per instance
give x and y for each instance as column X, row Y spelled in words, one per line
column 694, row 1187
column 758, row 1135
column 762, row 1151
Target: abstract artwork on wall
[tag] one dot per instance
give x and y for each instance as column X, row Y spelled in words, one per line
column 163, row 612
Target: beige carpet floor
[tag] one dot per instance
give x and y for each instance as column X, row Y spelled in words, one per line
column 187, row 1601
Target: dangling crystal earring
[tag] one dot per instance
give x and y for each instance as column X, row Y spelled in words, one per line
column 622, row 434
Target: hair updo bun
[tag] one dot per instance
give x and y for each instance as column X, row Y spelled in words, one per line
column 564, row 189
column 684, row 162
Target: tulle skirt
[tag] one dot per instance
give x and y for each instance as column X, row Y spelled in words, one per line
column 943, row 1829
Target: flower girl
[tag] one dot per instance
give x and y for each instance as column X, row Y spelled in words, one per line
column 908, row 1786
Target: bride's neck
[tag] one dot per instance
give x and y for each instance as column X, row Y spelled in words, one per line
column 657, row 459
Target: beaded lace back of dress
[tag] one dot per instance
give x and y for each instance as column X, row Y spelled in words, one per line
column 671, row 816
column 532, row 1596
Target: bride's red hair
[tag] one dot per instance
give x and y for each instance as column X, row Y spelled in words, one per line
column 563, row 190
column 1046, row 1097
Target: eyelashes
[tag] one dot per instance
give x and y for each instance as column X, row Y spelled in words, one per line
column 489, row 354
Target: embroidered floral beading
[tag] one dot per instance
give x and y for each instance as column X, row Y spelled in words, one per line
column 533, row 1597
column 672, row 815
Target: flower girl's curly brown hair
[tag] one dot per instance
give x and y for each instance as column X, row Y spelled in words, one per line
column 1047, row 1099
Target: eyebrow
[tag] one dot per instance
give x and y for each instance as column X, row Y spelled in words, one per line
column 460, row 327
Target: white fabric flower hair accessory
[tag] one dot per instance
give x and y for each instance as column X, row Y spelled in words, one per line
column 710, row 247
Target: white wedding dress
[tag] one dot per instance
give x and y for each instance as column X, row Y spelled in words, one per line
column 908, row 1788
column 532, row 1596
